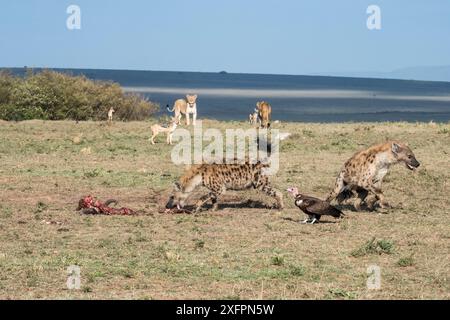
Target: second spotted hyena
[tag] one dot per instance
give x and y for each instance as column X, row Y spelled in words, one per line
column 364, row 172
column 218, row 178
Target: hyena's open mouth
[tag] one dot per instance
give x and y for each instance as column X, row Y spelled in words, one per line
column 412, row 167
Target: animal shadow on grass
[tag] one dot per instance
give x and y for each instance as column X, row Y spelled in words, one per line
column 299, row 220
column 364, row 208
column 236, row 204
column 207, row 208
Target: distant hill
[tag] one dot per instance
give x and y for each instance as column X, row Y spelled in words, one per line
column 424, row 73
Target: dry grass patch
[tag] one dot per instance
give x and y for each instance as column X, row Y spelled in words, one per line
column 240, row 251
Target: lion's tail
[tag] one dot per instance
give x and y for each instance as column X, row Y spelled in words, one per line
column 168, row 109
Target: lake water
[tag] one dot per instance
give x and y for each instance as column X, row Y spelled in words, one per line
column 226, row 96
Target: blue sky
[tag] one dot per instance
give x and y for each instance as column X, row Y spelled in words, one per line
column 287, row 37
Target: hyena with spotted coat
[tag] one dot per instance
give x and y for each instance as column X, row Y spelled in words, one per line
column 363, row 173
column 218, row 178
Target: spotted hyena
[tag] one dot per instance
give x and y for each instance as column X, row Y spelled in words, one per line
column 363, row 173
column 218, row 178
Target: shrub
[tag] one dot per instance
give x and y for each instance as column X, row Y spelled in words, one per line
column 277, row 260
column 7, row 82
column 51, row 95
column 406, row 261
column 374, row 247
column 296, row 271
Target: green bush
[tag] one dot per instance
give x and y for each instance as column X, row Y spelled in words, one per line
column 373, row 247
column 7, row 82
column 51, row 95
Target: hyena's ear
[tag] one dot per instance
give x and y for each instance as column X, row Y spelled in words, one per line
column 395, row 148
column 177, row 186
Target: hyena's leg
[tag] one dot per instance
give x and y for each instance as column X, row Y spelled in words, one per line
column 276, row 194
column 202, row 201
column 213, row 195
column 264, row 185
column 379, row 194
column 338, row 187
column 214, row 202
column 371, row 200
column 362, row 194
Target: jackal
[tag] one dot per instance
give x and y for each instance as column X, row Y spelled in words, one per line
column 169, row 130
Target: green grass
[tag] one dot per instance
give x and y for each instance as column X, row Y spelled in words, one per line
column 405, row 261
column 374, row 246
column 277, row 261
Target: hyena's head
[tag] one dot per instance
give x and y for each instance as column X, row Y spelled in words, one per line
column 191, row 99
column 178, row 197
column 404, row 154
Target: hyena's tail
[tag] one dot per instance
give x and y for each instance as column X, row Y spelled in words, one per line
column 168, row 109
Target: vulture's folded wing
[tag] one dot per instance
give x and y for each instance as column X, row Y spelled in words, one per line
column 320, row 207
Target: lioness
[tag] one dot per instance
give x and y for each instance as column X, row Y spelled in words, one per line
column 363, row 173
column 157, row 129
column 264, row 111
column 185, row 106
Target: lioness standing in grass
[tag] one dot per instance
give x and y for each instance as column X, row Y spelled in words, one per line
column 185, row 106
column 364, row 172
column 157, row 129
column 221, row 177
column 264, row 112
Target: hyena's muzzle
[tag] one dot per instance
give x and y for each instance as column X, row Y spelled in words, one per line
column 177, row 199
column 412, row 163
column 171, row 203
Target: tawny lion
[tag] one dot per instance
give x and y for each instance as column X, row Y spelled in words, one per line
column 185, row 106
column 264, row 112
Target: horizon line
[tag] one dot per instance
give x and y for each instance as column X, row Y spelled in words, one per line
column 312, row 74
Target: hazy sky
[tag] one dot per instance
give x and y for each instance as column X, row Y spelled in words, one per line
column 258, row 36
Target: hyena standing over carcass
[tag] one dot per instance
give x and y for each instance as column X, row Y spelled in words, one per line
column 363, row 173
column 221, row 177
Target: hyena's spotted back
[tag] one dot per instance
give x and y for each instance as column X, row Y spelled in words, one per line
column 232, row 176
column 221, row 177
